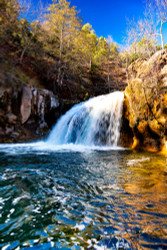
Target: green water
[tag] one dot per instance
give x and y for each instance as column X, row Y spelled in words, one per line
column 60, row 198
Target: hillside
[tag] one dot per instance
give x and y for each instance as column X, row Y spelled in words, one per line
column 27, row 91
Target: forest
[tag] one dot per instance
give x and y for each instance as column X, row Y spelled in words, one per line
column 54, row 45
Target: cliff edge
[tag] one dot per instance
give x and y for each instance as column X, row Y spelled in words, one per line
column 145, row 105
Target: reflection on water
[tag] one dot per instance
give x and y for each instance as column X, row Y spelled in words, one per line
column 146, row 182
column 82, row 200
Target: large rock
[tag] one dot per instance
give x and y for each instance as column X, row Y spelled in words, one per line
column 11, row 118
column 25, row 108
column 146, row 102
column 26, row 113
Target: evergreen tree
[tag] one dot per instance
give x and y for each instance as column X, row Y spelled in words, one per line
column 87, row 44
column 63, row 22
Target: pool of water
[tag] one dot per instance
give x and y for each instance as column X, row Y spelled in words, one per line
column 81, row 198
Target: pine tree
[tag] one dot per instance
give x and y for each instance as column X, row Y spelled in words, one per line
column 62, row 23
column 87, row 44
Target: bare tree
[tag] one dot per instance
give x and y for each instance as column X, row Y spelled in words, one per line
column 148, row 33
column 29, row 31
column 162, row 16
column 109, row 41
column 159, row 9
column 141, row 37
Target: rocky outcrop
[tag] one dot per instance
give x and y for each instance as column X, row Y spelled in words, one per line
column 146, row 102
column 26, row 113
column 25, row 109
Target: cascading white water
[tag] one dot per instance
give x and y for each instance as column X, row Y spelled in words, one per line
column 95, row 122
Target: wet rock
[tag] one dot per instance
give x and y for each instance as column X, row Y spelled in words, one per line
column 15, row 135
column 9, row 130
column 11, row 118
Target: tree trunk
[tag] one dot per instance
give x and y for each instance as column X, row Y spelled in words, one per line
column 108, row 76
column 59, row 74
column 23, row 52
column 162, row 41
column 61, row 43
column 90, row 64
column 60, row 59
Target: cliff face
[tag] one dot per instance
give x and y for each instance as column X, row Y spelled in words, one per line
column 26, row 113
column 146, row 102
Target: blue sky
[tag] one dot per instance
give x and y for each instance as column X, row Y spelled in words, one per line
column 109, row 17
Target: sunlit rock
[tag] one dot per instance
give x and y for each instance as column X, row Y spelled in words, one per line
column 146, row 101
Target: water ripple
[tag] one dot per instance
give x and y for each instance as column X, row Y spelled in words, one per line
column 89, row 200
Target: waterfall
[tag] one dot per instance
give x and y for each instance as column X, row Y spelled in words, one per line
column 95, row 122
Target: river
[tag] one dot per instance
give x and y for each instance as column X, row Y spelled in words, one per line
column 81, row 198
column 79, row 189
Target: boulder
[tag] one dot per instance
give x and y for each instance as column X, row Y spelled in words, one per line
column 25, row 108
column 11, row 118
column 146, row 102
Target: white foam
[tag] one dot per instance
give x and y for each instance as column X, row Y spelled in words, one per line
column 133, row 162
column 42, row 148
column 81, row 227
column 95, row 122
column 16, row 200
column 90, row 126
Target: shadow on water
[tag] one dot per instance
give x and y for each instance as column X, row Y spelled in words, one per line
column 92, row 199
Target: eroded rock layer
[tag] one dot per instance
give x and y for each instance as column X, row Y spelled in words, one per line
column 145, row 106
